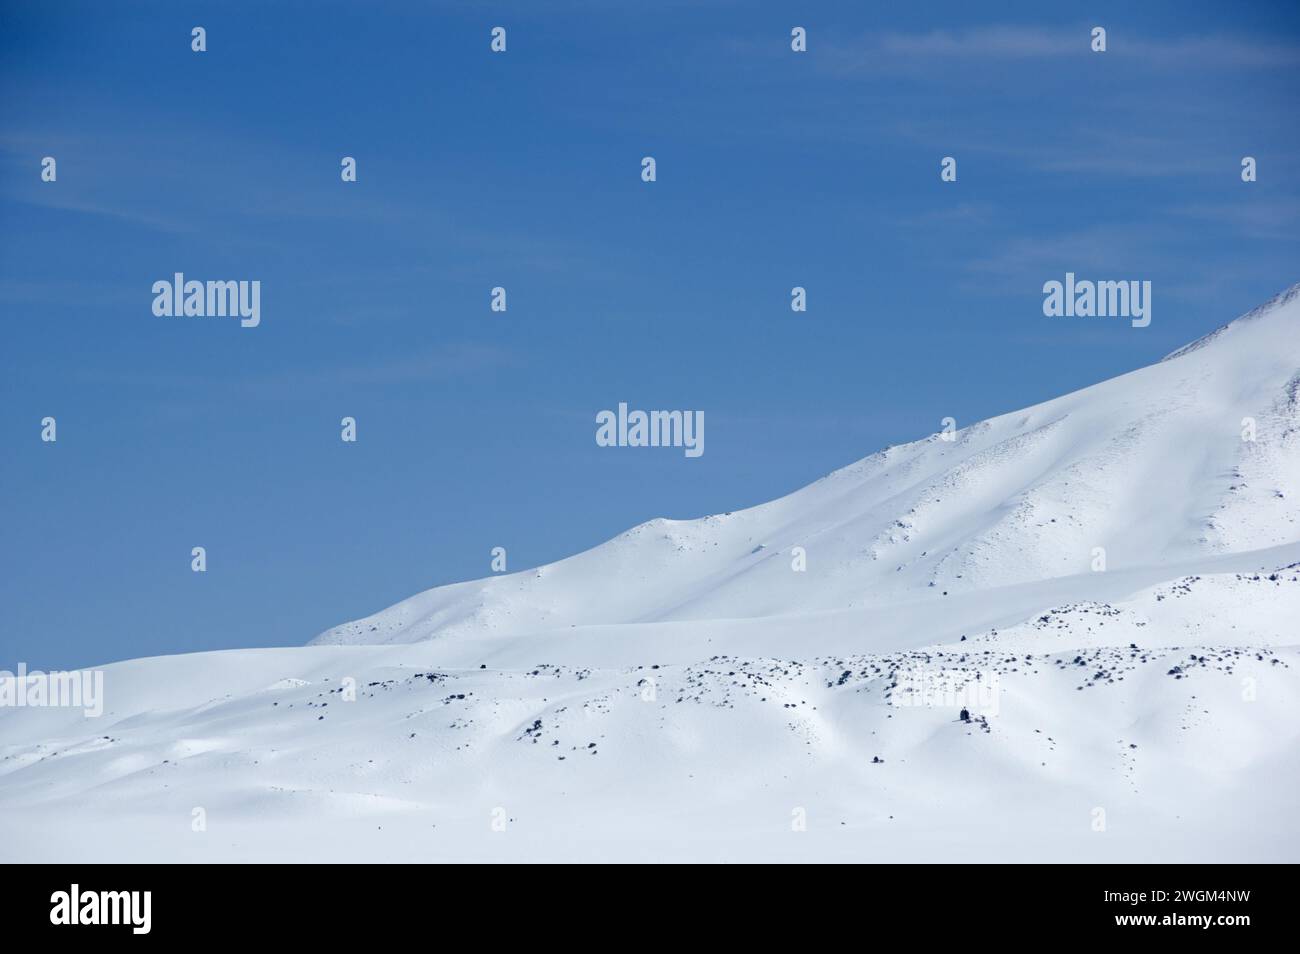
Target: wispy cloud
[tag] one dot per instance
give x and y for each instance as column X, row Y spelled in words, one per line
column 1273, row 219
column 918, row 52
column 450, row 361
column 1024, row 261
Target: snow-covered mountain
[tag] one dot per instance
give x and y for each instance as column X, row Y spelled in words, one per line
column 1150, row 466
column 685, row 692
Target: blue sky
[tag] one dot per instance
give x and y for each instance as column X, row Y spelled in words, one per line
column 477, row 429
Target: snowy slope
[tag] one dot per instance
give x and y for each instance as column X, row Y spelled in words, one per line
column 717, row 763
column 682, row 693
column 1150, row 466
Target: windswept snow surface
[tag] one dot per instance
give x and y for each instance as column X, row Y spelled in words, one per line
column 683, row 693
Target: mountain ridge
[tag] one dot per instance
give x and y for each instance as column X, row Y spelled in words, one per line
column 1149, row 467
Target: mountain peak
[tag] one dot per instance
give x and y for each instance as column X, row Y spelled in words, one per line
column 1280, row 300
